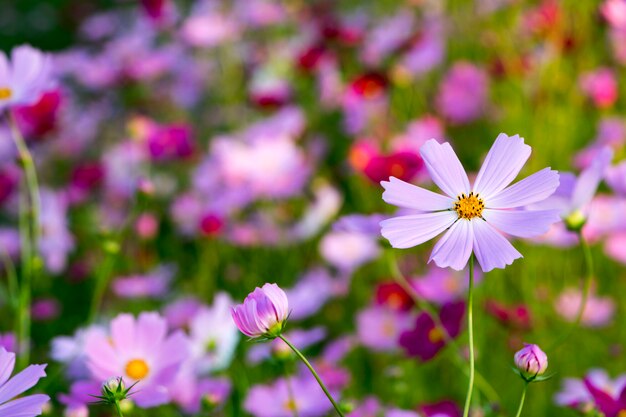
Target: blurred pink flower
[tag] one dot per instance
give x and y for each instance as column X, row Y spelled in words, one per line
column 463, row 93
column 379, row 328
column 600, row 86
column 139, row 350
column 599, row 311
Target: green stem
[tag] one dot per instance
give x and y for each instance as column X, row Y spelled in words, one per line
column 11, row 272
column 118, row 409
column 30, row 207
column 585, row 293
column 521, row 401
column 481, row 382
column 470, row 332
column 319, row 380
column 102, row 280
column 22, row 320
column 588, row 278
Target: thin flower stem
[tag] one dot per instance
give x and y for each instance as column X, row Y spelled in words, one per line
column 521, row 401
column 588, row 278
column 11, row 272
column 481, row 382
column 319, row 380
column 118, row 409
column 30, row 207
column 470, row 332
column 585, row 292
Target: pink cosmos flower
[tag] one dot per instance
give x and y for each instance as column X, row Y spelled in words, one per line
column 474, row 218
column 27, row 406
column 24, row 78
column 263, row 312
column 463, row 93
column 600, row 86
column 599, row 311
column 141, row 351
column 531, row 360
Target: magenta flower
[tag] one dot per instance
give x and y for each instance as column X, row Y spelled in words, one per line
column 24, row 79
column 531, row 360
column 474, row 218
column 28, row 406
column 263, row 312
column 425, row 339
column 140, row 351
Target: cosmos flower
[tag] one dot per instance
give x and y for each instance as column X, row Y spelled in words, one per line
column 531, row 360
column 379, row 328
column 473, row 218
column 28, row 406
column 213, row 335
column 301, row 394
column 141, row 351
column 463, row 93
column 425, row 339
column 263, row 312
column 596, row 390
column 24, row 78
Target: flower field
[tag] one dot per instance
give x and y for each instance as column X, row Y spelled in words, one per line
column 312, row 208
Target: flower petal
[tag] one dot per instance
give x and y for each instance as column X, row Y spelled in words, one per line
column 30, row 405
column 531, row 189
column 455, row 247
column 445, row 168
column 7, row 359
column 522, row 223
column 491, row 248
column 590, row 178
column 504, row 161
column 405, row 195
column 407, row 231
column 21, row 382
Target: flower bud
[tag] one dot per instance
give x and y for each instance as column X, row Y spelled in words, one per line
column 531, row 361
column 263, row 312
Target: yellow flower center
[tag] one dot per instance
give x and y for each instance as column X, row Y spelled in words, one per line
column 290, row 405
column 622, row 413
column 5, row 93
column 137, row 369
column 435, row 335
column 469, row 206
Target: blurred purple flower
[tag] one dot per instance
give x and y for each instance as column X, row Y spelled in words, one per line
column 301, row 393
column 24, row 77
column 379, row 328
column 463, row 93
column 425, row 340
column 154, row 284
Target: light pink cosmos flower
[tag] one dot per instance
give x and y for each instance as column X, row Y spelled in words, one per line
column 24, row 78
column 263, row 312
column 140, row 351
column 474, row 218
column 599, row 311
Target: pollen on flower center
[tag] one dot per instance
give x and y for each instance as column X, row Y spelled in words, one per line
column 290, row 405
column 622, row 413
column 5, row 93
column 469, row 206
column 435, row 335
column 137, row 369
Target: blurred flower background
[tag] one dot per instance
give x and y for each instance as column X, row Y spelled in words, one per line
column 189, row 151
